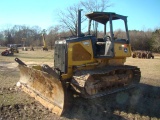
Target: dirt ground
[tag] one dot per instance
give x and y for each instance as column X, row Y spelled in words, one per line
column 142, row 102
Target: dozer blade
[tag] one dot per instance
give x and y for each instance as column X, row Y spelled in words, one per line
column 45, row 88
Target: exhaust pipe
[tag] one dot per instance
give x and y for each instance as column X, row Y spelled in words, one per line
column 79, row 23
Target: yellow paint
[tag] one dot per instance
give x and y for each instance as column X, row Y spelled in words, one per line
column 37, row 67
column 87, row 47
column 119, row 50
column 119, row 59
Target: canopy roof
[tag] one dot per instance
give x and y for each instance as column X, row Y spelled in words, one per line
column 103, row 17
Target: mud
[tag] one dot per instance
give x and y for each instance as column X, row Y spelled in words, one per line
column 142, row 102
column 31, row 111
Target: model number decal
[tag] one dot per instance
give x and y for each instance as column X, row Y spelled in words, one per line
column 86, row 43
column 125, row 50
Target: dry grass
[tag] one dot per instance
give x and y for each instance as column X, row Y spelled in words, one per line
column 142, row 102
column 150, row 69
column 38, row 56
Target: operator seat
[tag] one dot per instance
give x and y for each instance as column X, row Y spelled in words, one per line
column 108, row 46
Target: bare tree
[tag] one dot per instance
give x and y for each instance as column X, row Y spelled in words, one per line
column 15, row 34
column 141, row 40
column 2, row 38
column 120, row 34
column 95, row 5
column 8, row 37
column 68, row 18
column 156, row 40
column 53, row 35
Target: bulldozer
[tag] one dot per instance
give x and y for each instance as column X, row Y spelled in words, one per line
column 90, row 66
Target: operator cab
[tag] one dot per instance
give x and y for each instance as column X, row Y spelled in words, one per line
column 104, row 47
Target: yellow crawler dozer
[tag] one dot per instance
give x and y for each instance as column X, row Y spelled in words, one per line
column 91, row 66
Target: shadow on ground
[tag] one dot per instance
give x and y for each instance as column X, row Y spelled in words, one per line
column 140, row 102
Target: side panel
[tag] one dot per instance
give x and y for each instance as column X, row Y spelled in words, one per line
column 80, row 53
column 122, row 50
